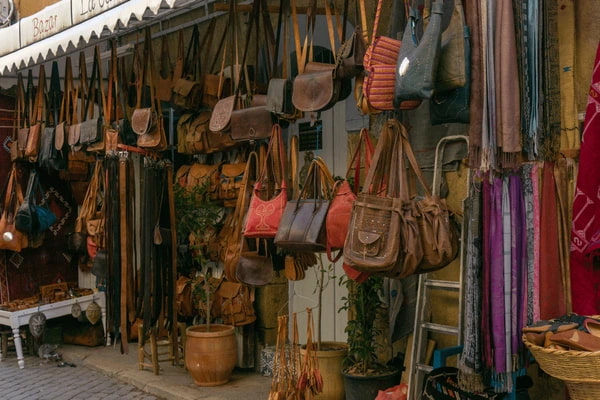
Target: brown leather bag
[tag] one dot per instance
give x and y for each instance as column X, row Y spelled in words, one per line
column 147, row 122
column 183, row 297
column 237, row 307
column 383, row 236
column 251, row 123
column 231, row 182
column 439, row 233
column 316, row 89
column 255, row 267
column 34, row 136
column 231, row 252
column 202, row 174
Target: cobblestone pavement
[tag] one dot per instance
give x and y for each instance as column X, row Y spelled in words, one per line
column 44, row 380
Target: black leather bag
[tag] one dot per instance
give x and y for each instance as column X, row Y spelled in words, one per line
column 279, row 97
column 418, row 59
column 255, row 267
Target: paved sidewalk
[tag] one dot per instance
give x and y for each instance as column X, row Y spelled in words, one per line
column 173, row 382
column 44, row 380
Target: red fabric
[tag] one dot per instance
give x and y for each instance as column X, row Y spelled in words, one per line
column 585, row 234
column 552, row 301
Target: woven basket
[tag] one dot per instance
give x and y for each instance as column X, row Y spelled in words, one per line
column 580, row 370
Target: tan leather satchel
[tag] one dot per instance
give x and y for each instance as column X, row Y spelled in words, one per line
column 32, row 146
column 237, row 307
column 383, row 236
column 205, row 175
column 231, row 182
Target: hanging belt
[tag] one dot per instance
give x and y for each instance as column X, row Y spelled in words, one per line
column 124, row 241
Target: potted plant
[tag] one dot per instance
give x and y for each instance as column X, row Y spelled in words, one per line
column 210, row 349
column 330, row 355
column 363, row 374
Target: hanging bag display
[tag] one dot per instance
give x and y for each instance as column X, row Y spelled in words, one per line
column 302, row 226
column 49, row 156
column 147, row 122
column 233, row 245
column 380, row 72
column 439, row 234
column 383, row 235
column 34, row 136
column 92, row 126
column 266, row 209
column 11, row 238
column 344, row 195
column 350, row 56
column 418, row 58
column 31, row 217
column 316, row 87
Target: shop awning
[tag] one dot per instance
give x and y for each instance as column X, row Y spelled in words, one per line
column 65, row 25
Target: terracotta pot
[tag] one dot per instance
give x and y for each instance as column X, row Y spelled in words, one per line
column 210, row 356
column 330, row 359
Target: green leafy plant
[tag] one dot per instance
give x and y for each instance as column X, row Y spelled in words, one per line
column 196, row 215
column 363, row 304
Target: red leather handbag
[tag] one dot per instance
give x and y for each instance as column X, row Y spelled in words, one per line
column 264, row 216
column 340, row 209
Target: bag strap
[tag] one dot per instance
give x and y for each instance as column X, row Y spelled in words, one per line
column 294, row 166
column 29, row 100
column 83, row 87
column 40, row 98
column 412, row 160
column 54, row 95
column 66, row 104
column 149, row 72
column 376, row 22
column 276, row 139
column 364, row 140
column 192, row 56
column 20, row 107
column 381, row 175
column 165, row 71
column 96, row 88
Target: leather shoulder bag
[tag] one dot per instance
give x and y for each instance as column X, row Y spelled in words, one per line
column 302, row 226
column 383, row 233
column 92, row 127
column 264, row 214
column 34, row 136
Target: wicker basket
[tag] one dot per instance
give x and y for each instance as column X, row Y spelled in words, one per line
column 580, row 370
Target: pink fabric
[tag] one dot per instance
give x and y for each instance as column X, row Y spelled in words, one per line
column 585, row 233
column 536, row 247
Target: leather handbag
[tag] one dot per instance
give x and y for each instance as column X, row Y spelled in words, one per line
column 380, row 72
column 255, row 267
column 349, row 58
column 34, row 136
column 232, row 243
column 452, row 67
column 344, row 195
column 302, row 226
column 52, row 156
column 418, row 58
column 11, row 238
column 194, row 129
column 317, row 87
column 264, row 213
column 147, row 122
column 453, row 105
column 438, row 232
column 92, row 127
column 205, row 175
column 188, row 88
column 31, row 217
column 383, row 233
column 230, row 182
column 17, row 145
column 251, row 123
column 237, row 307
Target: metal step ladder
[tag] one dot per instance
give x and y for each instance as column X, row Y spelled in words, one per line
column 417, row 367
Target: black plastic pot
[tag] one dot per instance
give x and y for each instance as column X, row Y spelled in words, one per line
column 360, row 387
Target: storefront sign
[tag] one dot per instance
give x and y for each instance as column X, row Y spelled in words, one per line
column 47, row 22
column 10, row 39
column 85, row 9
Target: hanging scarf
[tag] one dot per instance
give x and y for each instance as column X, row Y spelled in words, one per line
column 586, row 206
column 506, row 91
column 529, row 238
column 469, row 363
column 569, row 124
column 507, row 276
column 473, row 18
column 486, row 318
column 549, row 135
column 535, row 182
column 551, row 282
column 497, row 303
column 518, row 266
column 565, row 170
column 521, row 8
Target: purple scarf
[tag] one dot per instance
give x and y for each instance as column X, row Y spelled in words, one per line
column 497, row 307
